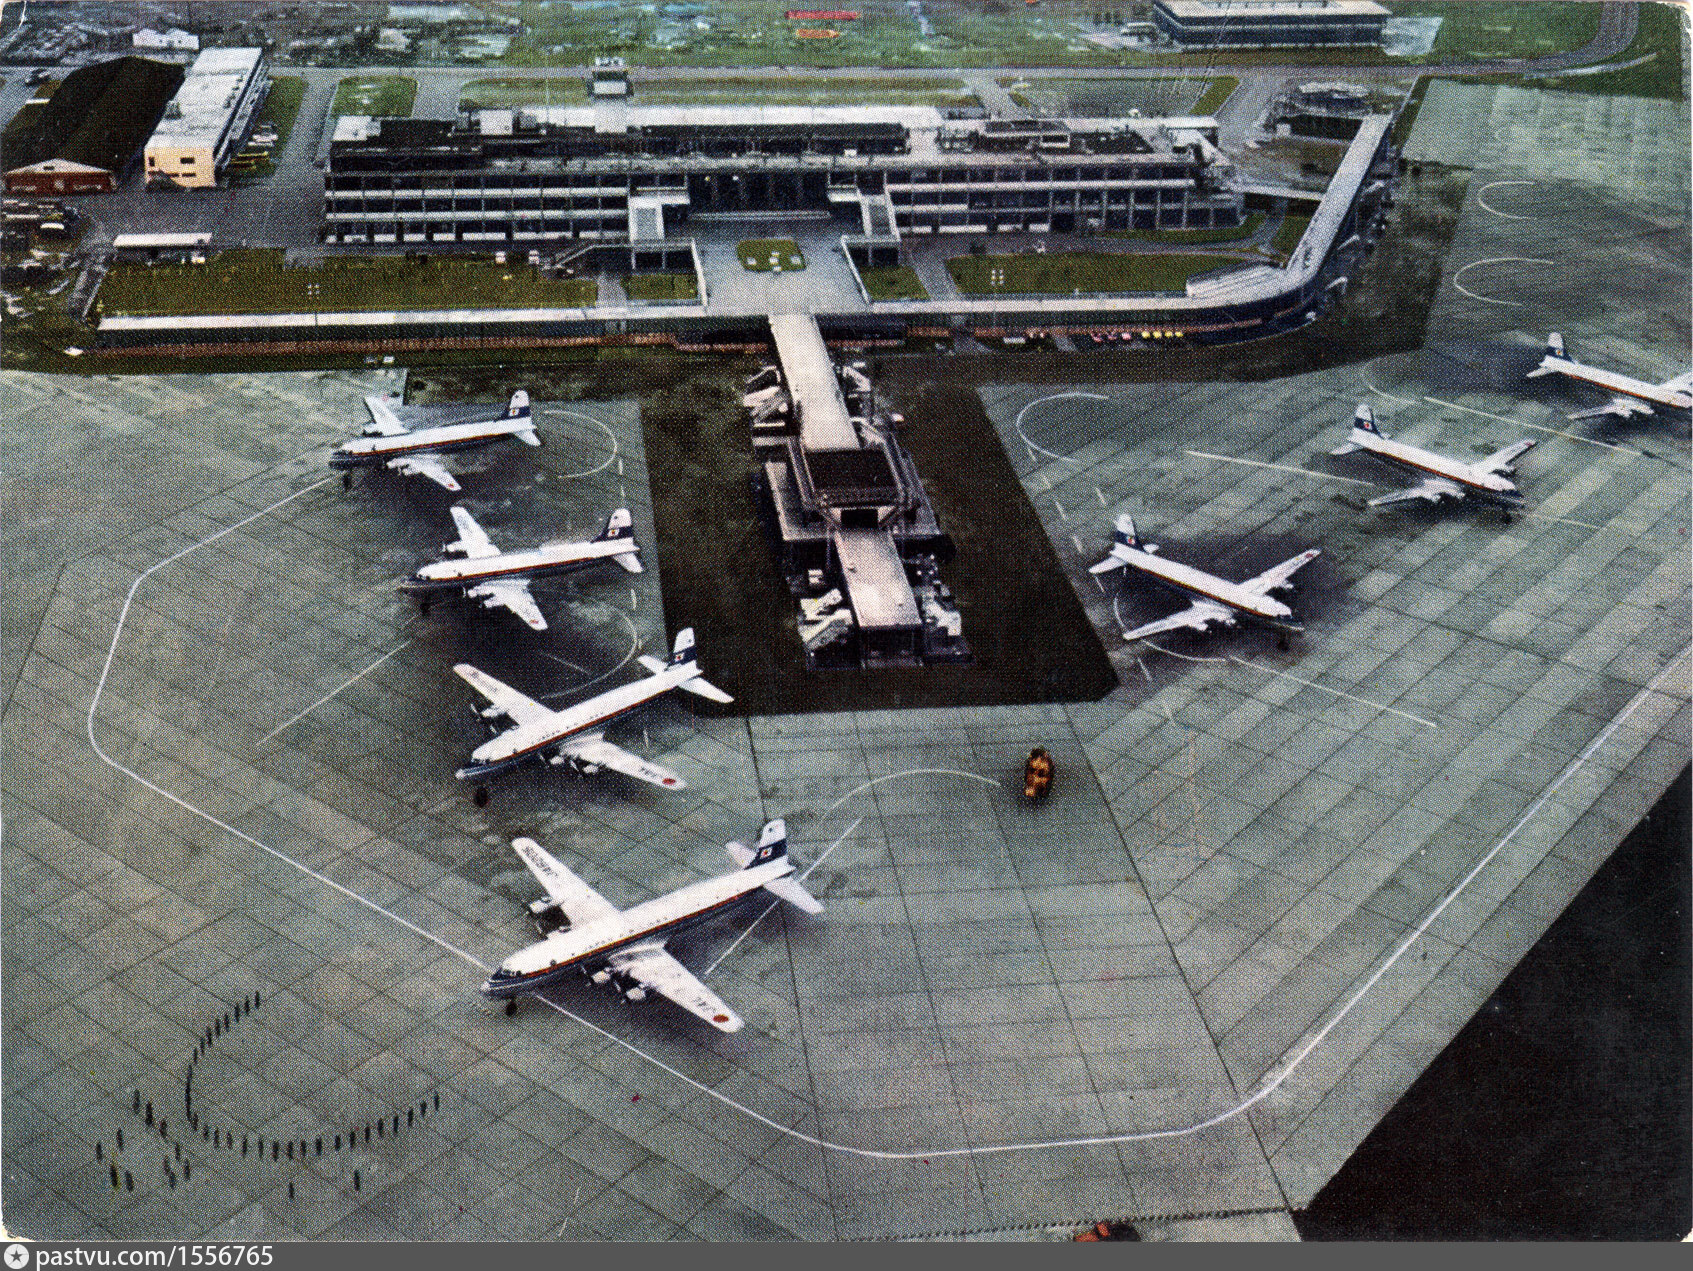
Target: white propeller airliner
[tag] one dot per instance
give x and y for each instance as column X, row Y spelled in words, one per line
column 1635, row 397
column 623, row 950
column 501, row 579
column 575, row 735
column 388, row 443
column 1217, row 599
column 1442, row 478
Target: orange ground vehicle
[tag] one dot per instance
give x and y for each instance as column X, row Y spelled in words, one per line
column 1037, row 774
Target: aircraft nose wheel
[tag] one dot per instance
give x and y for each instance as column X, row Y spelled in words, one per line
column 480, row 796
column 1281, row 643
column 423, row 608
column 511, row 1006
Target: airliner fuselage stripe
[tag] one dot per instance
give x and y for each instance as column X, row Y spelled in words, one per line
column 1621, row 383
column 519, row 564
column 619, row 701
column 1414, row 458
column 1186, row 578
column 434, row 440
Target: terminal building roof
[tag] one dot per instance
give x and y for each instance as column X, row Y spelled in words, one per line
column 623, row 131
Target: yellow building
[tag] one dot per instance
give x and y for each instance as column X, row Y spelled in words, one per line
column 207, row 121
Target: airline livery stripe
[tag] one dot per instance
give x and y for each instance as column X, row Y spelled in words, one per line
column 517, row 571
column 1244, row 605
column 565, row 736
column 1457, row 472
column 1621, row 384
column 392, row 451
column 639, row 935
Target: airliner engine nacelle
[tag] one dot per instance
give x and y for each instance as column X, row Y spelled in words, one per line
column 613, row 982
column 547, row 916
column 580, row 767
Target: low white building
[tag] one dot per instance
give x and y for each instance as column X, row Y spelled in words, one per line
column 176, row 40
column 207, row 121
column 1270, row 23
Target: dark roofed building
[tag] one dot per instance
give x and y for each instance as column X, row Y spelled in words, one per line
column 84, row 138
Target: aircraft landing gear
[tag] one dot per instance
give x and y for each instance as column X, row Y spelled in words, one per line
column 423, row 608
column 511, row 1006
column 1281, row 643
column 480, row 796
column 346, row 481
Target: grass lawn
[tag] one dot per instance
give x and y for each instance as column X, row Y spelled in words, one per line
column 661, row 287
column 1658, row 37
column 762, row 255
column 390, row 95
column 516, row 92
column 1061, row 273
column 1287, row 237
column 256, row 281
column 898, row 283
column 1194, row 237
column 282, row 106
column 1216, row 93
column 1479, row 30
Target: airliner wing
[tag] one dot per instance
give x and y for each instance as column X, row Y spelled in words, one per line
column 1621, row 407
column 520, row 709
column 512, row 594
column 650, row 966
column 595, row 749
column 473, row 540
column 1198, row 616
column 579, row 902
column 424, row 466
column 1281, row 574
column 1680, row 384
column 1434, row 490
column 1502, row 460
column 383, row 420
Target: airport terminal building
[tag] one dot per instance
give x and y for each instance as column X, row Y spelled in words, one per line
column 613, row 171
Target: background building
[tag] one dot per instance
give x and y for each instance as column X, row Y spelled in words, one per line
column 206, row 122
column 175, row 40
column 1270, row 23
column 84, row 137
